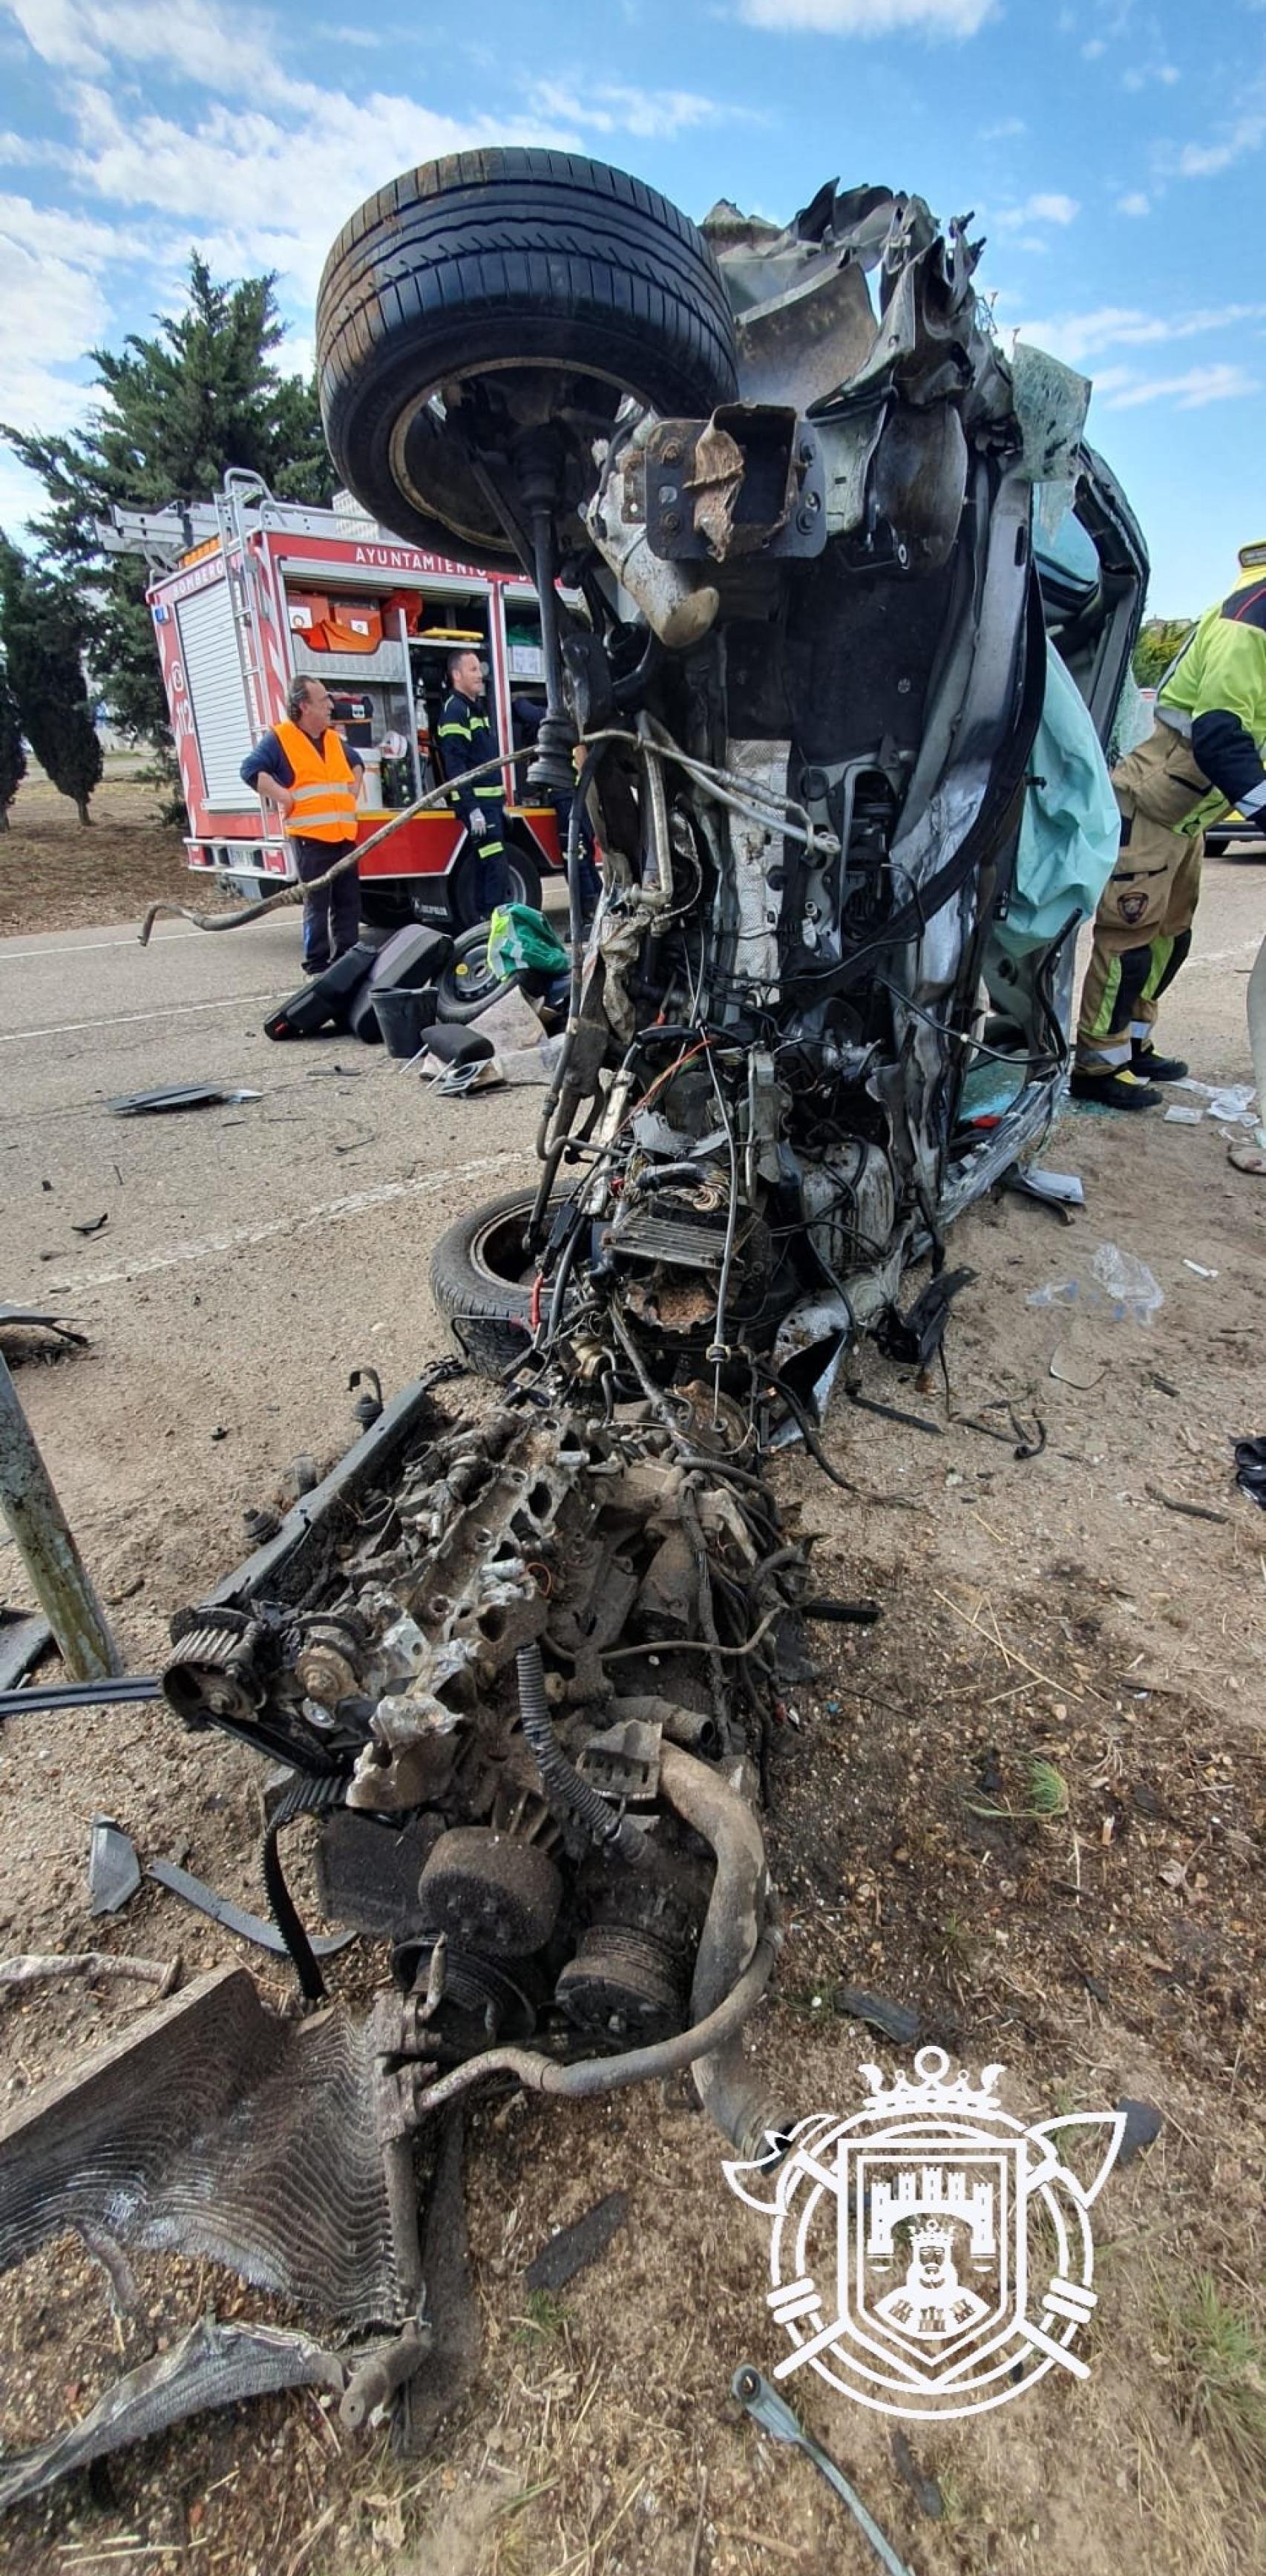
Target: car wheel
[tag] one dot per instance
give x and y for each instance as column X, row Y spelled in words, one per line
column 523, row 881
column 490, row 268
column 466, row 985
column 481, row 1280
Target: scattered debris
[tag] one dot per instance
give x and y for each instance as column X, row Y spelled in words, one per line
column 187, row 1095
column 1189, row 1511
column 1250, row 1468
column 1178, row 1117
column 1119, row 1282
column 926, row 2491
column 574, row 2247
column 1062, row 1191
column 24, row 1637
column 894, row 1413
column 1199, row 1269
column 763, row 2403
column 40, row 1319
column 114, row 1872
column 234, row 1918
column 93, row 1226
column 92, row 1965
column 1231, row 1101
column 59, row 1695
column 1143, row 2125
column 212, row 2365
column 898, row 2022
column 1073, row 1368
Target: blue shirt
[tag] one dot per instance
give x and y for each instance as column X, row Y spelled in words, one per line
column 268, row 760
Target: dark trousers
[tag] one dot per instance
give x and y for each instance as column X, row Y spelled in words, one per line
column 331, row 919
column 492, row 876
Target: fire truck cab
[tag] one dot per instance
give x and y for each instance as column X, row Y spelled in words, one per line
column 248, row 591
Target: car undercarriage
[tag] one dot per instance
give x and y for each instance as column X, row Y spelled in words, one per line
column 793, row 518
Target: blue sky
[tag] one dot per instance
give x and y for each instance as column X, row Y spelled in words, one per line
column 1115, row 157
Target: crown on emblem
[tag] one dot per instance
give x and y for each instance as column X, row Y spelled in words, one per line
column 932, row 2092
column 932, row 2232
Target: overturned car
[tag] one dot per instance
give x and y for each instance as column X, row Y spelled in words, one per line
column 838, row 608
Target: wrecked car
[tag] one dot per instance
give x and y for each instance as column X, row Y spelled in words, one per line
column 821, row 575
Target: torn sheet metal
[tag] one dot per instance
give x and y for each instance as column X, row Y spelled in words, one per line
column 213, row 2365
column 181, row 1095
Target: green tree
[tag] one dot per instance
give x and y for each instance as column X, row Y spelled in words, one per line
column 176, row 411
column 1159, row 640
column 42, row 630
column 12, row 753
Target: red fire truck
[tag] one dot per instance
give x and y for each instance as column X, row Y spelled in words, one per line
column 247, row 592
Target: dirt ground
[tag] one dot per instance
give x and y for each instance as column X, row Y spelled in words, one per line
column 57, row 875
column 1094, row 1924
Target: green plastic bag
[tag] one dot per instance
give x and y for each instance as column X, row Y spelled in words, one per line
column 520, row 938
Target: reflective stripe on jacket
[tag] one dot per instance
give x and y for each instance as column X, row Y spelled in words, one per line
column 1214, row 694
column 325, row 786
column 468, row 736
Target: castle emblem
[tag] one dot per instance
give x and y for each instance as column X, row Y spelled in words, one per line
column 932, row 2256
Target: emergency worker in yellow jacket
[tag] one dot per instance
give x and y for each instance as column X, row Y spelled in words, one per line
column 1204, row 756
column 312, row 779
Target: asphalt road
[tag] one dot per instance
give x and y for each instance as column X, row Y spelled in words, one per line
column 254, row 1254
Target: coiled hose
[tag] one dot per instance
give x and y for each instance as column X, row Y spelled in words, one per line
column 569, row 1796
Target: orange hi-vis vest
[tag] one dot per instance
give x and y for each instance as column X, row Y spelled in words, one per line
column 325, row 785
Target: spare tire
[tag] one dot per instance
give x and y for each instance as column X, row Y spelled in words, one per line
column 488, row 266
column 481, row 1280
column 466, row 984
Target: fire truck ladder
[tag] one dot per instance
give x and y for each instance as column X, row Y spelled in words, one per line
column 240, row 488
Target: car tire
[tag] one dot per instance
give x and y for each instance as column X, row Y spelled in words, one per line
column 484, row 262
column 524, row 883
column 486, row 1307
column 466, row 986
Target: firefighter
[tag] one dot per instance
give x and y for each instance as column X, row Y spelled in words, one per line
column 1204, row 756
column 313, row 780
column 467, row 736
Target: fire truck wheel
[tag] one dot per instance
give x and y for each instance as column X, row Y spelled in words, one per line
column 464, row 891
column 450, row 292
column 481, row 1280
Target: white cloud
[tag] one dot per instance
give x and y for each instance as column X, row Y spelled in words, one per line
column 1091, row 51
column 1139, row 75
column 1042, row 209
column 610, row 108
column 221, row 49
column 1078, row 336
column 1206, row 160
column 1006, row 129
column 1189, row 392
column 1135, row 203
column 867, row 17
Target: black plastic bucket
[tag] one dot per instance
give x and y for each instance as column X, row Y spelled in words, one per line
column 404, row 1017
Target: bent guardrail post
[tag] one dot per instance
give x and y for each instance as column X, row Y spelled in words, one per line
column 48, row 1551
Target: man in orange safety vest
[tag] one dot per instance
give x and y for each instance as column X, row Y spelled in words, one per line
column 312, row 780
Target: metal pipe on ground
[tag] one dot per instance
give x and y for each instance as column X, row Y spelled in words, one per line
column 42, row 1536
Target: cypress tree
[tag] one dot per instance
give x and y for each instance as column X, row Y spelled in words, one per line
column 12, row 753
column 176, row 410
column 42, row 630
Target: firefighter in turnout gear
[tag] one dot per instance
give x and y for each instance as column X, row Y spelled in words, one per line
column 1204, row 757
column 467, row 736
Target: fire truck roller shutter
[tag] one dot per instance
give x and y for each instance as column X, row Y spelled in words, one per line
column 498, row 260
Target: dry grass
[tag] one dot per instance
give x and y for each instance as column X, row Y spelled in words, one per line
column 54, row 875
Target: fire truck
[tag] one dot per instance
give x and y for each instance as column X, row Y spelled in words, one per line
column 247, row 592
